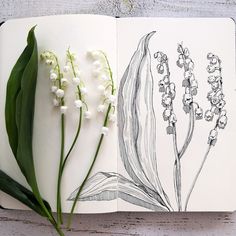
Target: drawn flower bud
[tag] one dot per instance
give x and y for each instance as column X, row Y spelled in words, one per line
column 170, row 129
column 160, row 69
column 211, row 69
column 209, row 115
column 188, row 75
column 212, row 137
column 199, row 113
column 186, row 52
column 166, row 114
column 166, row 100
column 185, row 83
column 187, row 99
column 215, row 100
column 194, row 83
column 211, row 79
column 179, row 48
column 180, row 62
column 214, row 60
column 209, row 56
column 172, row 118
column 223, row 113
column 194, row 91
column 190, row 65
column 221, row 104
column 186, row 109
column 172, row 93
column 222, row 122
column 161, row 86
column 166, row 79
column 158, row 56
column 172, row 86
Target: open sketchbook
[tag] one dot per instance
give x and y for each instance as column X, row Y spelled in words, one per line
column 153, row 62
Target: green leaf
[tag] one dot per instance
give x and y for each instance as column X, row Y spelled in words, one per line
column 19, row 111
column 19, row 192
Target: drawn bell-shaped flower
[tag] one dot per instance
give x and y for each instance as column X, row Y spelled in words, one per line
column 160, row 68
column 222, row 122
column 209, row 115
column 199, row 113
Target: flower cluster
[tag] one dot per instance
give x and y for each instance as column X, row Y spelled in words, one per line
column 102, row 72
column 81, row 91
column 58, row 82
column 167, row 89
column 215, row 97
column 189, row 83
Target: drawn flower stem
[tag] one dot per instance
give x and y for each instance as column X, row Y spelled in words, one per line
column 196, row 177
column 177, row 164
column 105, row 124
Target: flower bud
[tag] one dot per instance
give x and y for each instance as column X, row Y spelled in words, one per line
column 60, row 93
column 78, row 103
column 63, row 109
column 53, row 76
column 104, row 130
column 101, row 108
column 76, row 81
column 88, row 115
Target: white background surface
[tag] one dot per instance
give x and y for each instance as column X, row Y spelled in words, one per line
column 27, row 223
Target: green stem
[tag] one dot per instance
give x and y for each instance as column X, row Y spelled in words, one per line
column 90, row 169
column 59, row 210
column 105, row 123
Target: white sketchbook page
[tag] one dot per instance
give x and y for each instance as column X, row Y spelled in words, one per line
column 57, row 33
column 215, row 189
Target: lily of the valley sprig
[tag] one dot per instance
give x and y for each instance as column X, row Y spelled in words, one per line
column 103, row 73
column 167, row 89
column 190, row 106
column 217, row 104
column 58, row 86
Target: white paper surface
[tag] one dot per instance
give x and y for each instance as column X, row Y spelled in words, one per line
column 215, row 189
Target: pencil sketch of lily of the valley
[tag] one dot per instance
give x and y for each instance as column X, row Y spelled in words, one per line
column 143, row 187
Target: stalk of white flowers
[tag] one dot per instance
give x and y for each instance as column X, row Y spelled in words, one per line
column 102, row 70
column 80, row 104
column 217, row 103
column 58, row 86
column 167, row 89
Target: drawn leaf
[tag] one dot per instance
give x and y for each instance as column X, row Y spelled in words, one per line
column 109, row 186
column 137, row 122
